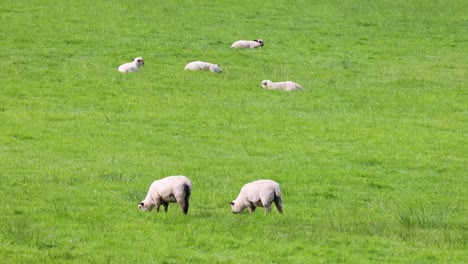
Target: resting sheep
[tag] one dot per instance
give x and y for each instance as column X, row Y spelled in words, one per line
column 202, row 66
column 285, row 86
column 246, row 44
column 258, row 193
column 171, row 189
column 133, row 66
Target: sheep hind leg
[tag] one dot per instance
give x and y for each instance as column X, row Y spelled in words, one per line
column 279, row 205
column 184, row 200
column 184, row 206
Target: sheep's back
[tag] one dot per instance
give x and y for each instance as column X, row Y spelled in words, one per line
column 171, row 185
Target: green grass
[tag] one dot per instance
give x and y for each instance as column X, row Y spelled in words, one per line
column 371, row 156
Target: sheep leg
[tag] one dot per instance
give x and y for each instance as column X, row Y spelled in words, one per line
column 252, row 207
column 267, row 208
column 165, row 204
column 278, row 205
column 157, row 204
column 183, row 203
column 184, row 206
column 184, row 199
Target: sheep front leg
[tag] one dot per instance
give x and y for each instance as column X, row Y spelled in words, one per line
column 165, row 204
column 157, row 204
column 251, row 207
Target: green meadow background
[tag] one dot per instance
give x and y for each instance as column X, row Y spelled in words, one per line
column 371, row 156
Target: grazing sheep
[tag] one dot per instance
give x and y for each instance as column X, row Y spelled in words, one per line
column 285, row 86
column 246, row 44
column 133, row 66
column 258, row 193
column 171, row 189
column 202, row 66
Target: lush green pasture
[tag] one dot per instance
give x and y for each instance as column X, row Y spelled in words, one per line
column 371, row 156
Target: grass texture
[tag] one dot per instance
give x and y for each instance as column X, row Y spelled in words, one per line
column 371, row 156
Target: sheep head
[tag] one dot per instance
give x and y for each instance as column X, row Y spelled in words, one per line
column 139, row 61
column 259, row 41
column 145, row 207
column 265, row 83
column 236, row 208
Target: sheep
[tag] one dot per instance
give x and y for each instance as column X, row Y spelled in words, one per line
column 258, row 193
column 252, row 44
column 285, row 86
column 133, row 66
column 171, row 189
column 203, row 66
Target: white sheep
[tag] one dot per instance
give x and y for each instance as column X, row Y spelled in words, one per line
column 258, row 193
column 202, row 66
column 285, row 86
column 248, row 44
column 133, row 66
column 172, row 189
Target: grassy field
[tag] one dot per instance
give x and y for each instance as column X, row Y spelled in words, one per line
column 371, row 156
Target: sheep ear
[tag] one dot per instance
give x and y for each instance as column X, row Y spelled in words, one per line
column 142, row 204
column 231, row 203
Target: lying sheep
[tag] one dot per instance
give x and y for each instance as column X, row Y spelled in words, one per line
column 171, row 189
column 285, row 86
column 133, row 66
column 248, row 44
column 258, row 193
column 202, row 66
